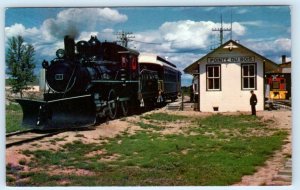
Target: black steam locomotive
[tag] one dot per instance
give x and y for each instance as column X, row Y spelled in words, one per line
column 90, row 80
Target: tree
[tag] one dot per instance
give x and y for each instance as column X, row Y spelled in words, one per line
column 20, row 64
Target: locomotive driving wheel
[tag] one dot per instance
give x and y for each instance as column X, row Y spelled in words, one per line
column 112, row 104
column 124, row 106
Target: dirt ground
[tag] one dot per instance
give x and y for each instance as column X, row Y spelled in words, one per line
column 263, row 176
column 266, row 175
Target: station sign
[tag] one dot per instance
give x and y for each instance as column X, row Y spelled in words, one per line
column 238, row 59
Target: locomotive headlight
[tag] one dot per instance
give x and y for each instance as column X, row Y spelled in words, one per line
column 60, row 53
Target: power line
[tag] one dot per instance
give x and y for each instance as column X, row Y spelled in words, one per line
column 154, row 43
column 160, row 43
column 124, row 37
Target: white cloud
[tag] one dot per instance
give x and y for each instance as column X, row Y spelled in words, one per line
column 108, row 30
column 238, row 28
column 284, row 44
column 242, row 11
column 210, row 8
column 187, row 34
column 104, row 35
column 253, row 23
column 75, row 20
column 183, row 60
column 277, row 45
column 78, row 22
column 87, row 35
column 46, row 50
column 179, row 40
column 90, row 16
column 272, row 47
column 149, row 41
column 110, row 15
column 19, row 29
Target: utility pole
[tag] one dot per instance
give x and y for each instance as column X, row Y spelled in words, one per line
column 231, row 24
column 221, row 30
column 124, row 37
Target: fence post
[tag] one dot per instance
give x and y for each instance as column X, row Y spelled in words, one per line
column 181, row 100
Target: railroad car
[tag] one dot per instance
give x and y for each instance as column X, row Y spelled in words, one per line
column 169, row 78
column 89, row 80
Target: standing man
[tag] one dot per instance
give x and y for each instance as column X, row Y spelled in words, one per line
column 253, row 102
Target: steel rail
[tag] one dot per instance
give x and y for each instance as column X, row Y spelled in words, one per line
column 10, row 141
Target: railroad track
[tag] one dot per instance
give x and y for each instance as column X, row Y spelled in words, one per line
column 21, row 137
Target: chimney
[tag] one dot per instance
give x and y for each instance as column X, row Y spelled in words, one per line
column 69, row 47
column 283, row 59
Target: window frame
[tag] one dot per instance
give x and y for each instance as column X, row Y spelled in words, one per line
column 220, row 77
column 255, row 76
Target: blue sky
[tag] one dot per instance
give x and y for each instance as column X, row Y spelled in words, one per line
column 182, row 34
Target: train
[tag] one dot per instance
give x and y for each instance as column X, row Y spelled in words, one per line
column 91, row 80
column 278, row 86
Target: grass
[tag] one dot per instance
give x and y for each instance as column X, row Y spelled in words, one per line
column 148, row 126
column 223, row 150
column 70, row 156
column 164, row 117
column 13, row 118
column 53, row 141
column 22, row 162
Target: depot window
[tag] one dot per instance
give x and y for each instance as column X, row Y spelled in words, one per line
column 213, row 77
column 249, row 76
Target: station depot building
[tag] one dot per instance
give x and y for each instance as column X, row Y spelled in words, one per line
column 226, row 76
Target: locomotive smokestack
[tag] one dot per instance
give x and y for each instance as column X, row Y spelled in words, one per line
column 69, row 47
column 283, row 58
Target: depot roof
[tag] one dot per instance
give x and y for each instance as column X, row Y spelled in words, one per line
column 270, row 66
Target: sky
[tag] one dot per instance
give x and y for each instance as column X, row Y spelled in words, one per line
column 180, row 34
column 266, row 30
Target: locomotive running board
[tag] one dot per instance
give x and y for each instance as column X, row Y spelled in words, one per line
column 70, row 112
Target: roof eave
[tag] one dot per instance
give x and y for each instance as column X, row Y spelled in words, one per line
column 270, row 64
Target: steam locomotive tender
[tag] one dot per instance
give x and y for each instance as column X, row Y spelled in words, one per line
column 90, row 80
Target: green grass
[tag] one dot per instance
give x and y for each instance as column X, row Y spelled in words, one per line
column 59, row 139
column 70, row 156
column 164, row 117
column 149, row 126
column 150, row 158
column 13, row 118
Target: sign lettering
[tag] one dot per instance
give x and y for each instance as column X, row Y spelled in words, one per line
column 241, row 59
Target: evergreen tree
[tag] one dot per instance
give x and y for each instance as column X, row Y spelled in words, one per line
column 20, row 64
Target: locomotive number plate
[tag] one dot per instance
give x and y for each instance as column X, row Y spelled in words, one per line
column 59, row 77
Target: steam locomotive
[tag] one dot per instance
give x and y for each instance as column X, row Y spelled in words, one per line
column 90, row 80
